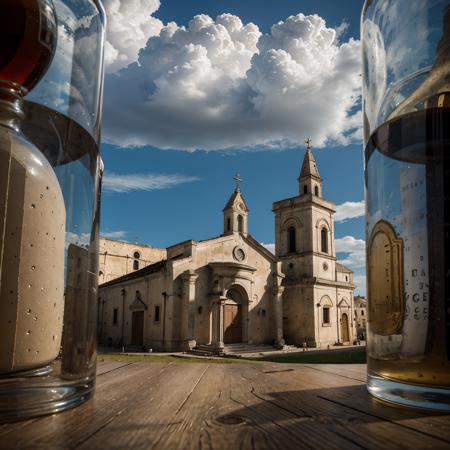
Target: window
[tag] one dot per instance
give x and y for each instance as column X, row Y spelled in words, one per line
column 240, row 223
column 316, row 191
column 326, row 315
column 362, row 312
column 228, row 224
column 346, row 278
column 157, row 313
column 115, row 316
column 292, row 244
column 324, row 240
column 136, row 256
column 305, row 189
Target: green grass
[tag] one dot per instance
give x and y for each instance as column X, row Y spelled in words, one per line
column 350, row 356
column 167, row 359
column 333, row 357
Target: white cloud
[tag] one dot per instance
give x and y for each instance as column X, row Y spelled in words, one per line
column 270, row 247
column 143, row 182
column 349, row 210
column 360, row 282
column 219, row 84
column 355, row 250
column 113, row 234
column 129, row 25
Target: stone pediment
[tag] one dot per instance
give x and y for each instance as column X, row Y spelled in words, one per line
column 231, row 266
column 137, row 305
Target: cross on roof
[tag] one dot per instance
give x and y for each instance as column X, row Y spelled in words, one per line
column 238, row 179
column 308, row 143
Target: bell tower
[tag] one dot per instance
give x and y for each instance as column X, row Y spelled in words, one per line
column 304, row 228
column 309, row 180
column 235, row 213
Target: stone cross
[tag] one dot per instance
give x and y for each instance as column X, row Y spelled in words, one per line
column 238, row 179
column 308, row 143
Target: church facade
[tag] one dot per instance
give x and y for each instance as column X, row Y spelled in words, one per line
column 231, row 289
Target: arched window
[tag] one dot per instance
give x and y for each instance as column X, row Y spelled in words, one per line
column 136, row 256
column 228, row 224
column 324, row 240
column 305, row 189
column 240, row 224
column 326, row 315
column 316, row 191
column 292, row 244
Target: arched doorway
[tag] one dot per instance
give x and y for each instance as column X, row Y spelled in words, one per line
column 344, row 328
column 233, row 316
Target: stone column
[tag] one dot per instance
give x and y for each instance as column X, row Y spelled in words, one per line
column 277, row 293
column 278, row 310
column 188, row 310
column 217, row 323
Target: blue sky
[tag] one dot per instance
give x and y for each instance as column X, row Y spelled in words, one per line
column 169, row 176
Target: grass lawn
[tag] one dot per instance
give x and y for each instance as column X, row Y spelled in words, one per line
column 167, row 359
column 350, row 356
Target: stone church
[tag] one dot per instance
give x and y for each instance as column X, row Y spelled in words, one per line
column 231, row 289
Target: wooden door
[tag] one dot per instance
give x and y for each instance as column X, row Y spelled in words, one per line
column 137, row 328
column 232, row 324
column 344, row 328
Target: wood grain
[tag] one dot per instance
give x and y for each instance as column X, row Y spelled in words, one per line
column 230, row 406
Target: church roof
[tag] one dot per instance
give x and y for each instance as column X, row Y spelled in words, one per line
column 236, row 197
column 152, row 268
column 309, row 166
column 341, row 268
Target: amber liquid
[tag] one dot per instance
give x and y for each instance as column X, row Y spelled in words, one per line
column 28, row 34
column 408, row 186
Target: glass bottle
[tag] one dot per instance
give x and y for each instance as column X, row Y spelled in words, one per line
column 59, row 152
column 406, row 100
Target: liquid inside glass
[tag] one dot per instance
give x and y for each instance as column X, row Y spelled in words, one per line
column 28, row 34
column 408, row 246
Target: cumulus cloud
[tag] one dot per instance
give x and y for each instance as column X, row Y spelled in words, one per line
column 143, row 182
column 119, row 234
column 219, row 84
column 349, row 210
column 355, row 250
column 129, row 25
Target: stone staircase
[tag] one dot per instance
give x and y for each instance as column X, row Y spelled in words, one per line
column 233, row 350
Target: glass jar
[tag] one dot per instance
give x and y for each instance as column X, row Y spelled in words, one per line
column 406, row 101
column 53, row 332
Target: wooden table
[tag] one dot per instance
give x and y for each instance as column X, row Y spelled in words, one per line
column 230, row 406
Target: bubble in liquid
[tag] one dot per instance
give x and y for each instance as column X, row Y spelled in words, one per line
column 29, row 332
column 33, row 267
column 33, row 206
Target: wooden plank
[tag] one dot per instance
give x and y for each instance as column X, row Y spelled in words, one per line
column 430, row 423
column 383, row 423
column 108, row 366
column 151, row 410
column 69, row 428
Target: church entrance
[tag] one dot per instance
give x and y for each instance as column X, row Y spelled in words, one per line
column 232, row 324
column 137, row 328
column 233, row 316
column 344, row 328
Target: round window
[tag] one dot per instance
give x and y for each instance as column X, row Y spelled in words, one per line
column 239, row 254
